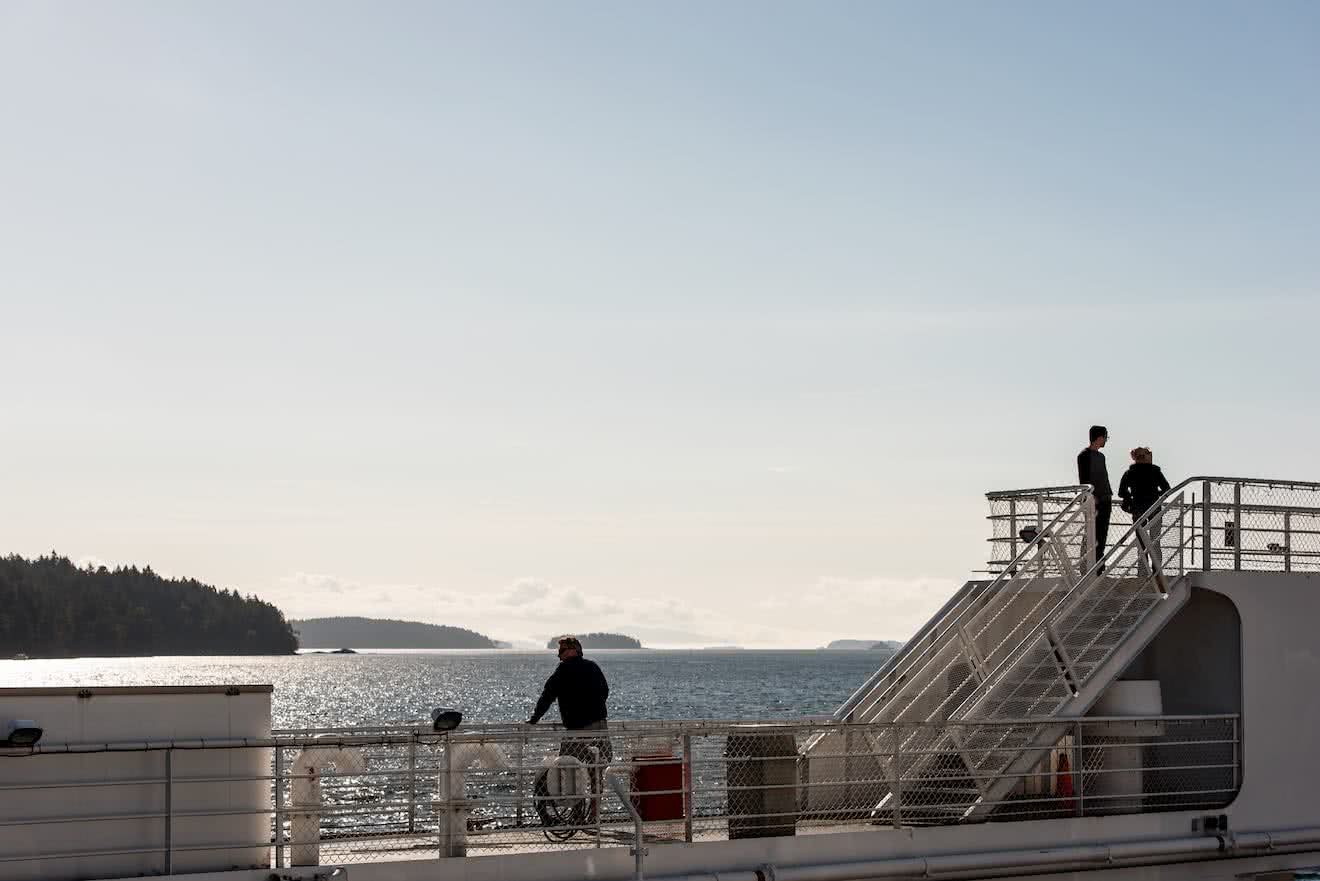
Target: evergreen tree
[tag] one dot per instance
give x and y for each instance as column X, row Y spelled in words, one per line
column 52, row 609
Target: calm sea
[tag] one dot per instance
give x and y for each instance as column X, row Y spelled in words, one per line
column 490, row 686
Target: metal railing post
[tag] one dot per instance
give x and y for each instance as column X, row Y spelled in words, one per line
column 279, row 807
column 639, row 836
column 1206, row 537
column 1081, row 772
column 1088, row 543
column 412, row 785
column 447, row 836
column 1012, row 530
column 687, row 788
column 1287, row 541
column 169, row 811
column 898, row 777
column 1237, row 526
column 520, row 790
column 1182, row 537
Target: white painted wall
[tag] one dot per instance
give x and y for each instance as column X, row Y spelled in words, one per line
column 124, row 714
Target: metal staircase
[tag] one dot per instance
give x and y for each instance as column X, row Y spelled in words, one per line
column 983, row 693
column 1073, row 650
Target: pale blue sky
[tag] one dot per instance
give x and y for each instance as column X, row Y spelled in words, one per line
column 682, row 318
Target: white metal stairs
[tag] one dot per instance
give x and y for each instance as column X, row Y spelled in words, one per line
column 1039, row 643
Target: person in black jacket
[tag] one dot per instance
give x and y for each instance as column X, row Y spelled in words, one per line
column 581, row 690
column 1091, row 468
column 1142, row 484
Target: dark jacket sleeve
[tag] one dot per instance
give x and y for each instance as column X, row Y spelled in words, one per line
column 1125, row 485
column 1161, row 482
column 548, row 695
column 1083, row 467
column 604, row 684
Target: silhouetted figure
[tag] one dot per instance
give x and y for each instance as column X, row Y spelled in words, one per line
column 581, row 689
column 1142, row 484
column 1091, row 468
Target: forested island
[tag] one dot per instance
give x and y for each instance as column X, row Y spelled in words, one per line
column 51, row 608
column 864, row 645
column 601, row 641
column 386, row 633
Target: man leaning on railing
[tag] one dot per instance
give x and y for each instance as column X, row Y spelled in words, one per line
column 581, row 690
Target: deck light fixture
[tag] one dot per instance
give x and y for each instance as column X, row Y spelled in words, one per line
column 20, row 733
column 445, row 719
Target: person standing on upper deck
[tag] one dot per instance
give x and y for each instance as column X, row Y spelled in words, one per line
column 1091, row 468
column 1142, row 484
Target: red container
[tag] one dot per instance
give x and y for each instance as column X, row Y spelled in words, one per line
column 661, row 774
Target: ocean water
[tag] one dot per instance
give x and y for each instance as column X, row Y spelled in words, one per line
column 489, row 686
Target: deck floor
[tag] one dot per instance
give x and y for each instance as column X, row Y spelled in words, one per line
column 529, row 839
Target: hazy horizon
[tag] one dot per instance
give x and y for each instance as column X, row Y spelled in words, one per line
column 711, row 324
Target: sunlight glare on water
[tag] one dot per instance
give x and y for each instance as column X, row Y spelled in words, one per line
column 375, row 687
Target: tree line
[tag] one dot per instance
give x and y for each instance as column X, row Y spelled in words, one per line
column 387, row 633
column 601, row 641
column 51, row 608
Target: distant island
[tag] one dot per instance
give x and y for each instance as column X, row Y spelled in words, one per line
column 51, row 608
column 387, row 633
column 853, row 645
column 601, row 641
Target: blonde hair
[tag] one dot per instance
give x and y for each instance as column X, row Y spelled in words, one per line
column 1141, row 454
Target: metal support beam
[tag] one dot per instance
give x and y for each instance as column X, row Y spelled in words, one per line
column 974, row 659
column 1062, row 661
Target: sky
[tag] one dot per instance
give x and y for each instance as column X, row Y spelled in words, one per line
column 707, row 322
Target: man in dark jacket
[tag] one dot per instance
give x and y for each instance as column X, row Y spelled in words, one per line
column 581, row 690
column 1091, row 469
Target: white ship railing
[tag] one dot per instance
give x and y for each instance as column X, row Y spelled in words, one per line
column 1251, row 524
column 689, row 781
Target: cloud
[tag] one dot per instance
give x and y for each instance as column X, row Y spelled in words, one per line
column 524, row 592
column 310, row 581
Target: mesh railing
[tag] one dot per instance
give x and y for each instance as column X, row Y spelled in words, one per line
column 1016, row 516
column 381, row 795
column 1251, row 524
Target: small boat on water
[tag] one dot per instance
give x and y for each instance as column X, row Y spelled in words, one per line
column 1142, row 716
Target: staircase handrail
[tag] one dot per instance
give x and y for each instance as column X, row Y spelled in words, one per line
column 971, row 590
